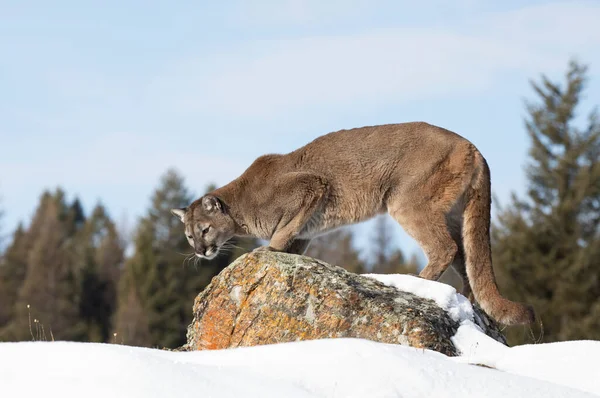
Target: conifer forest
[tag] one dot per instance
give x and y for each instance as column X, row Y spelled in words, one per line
column 73, row 273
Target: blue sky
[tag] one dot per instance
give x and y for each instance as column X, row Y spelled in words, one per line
column 102, row 99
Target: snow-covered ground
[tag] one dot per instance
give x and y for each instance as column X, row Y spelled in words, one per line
column 319, row 368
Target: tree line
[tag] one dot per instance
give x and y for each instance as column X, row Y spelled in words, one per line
column 67, row 274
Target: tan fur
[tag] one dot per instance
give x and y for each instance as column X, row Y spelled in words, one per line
column 433, row 182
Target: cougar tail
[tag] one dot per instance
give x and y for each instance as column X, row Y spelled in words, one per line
column 478, row 256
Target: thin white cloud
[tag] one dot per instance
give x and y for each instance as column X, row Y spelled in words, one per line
column 291, row 13
column 562, row 25
column 119, row 159
column 264, row 77
column 296, row 12
column 261, row 78
column 121, row 169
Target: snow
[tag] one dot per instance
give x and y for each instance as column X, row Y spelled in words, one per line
column 445, row 296
column 571, row 363
column 319, row 368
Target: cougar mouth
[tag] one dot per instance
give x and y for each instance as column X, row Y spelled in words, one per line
column 209, row 253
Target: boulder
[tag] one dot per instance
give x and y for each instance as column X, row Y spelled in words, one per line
column 268, row 297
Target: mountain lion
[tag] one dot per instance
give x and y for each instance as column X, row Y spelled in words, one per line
column 433, row 182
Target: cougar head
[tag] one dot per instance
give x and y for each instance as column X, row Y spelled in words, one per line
column 207, row 225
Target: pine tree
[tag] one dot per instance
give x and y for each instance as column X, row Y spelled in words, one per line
column 50, row 285
column 100, row 257
column 381, row 242
column 336, row 248
column 75, row 218
column 386, row 260
column 13, row 270
column 547, row 246
column 12, row 273
column 1, row 230
column 161, row 280
column 152, row 278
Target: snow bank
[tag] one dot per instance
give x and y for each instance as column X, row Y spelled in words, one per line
column 570, row 363
column 330, row 368
column 573, row 363
column 318, row 368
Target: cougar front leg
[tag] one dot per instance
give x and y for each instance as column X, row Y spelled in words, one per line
column 307, row 192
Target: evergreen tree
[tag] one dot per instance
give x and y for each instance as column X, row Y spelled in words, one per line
column 152, row 278
column 50, row 284
column 336, row 248
column 163, row 277
column 75, row 218
column 1, row 230
column 100, row 255
column 385, row 260
column 381, row 242
column 547, row 246
column 13, row 266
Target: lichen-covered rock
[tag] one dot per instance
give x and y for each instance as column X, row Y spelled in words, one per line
column 267, row 298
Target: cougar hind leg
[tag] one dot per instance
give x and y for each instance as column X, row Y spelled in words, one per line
column 426, row 215
column 459, row 266
column 427, row 226
column 454, row 223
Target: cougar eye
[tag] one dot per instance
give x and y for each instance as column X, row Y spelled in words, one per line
column 205, row 230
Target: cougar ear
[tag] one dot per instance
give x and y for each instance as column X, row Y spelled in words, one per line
column 180, row 213
column 211, row 203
